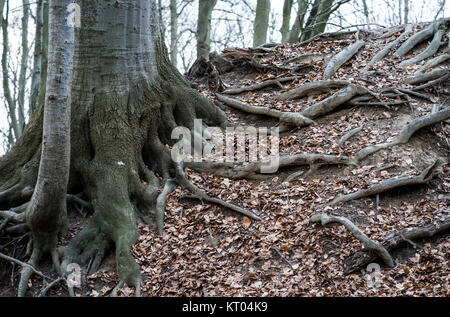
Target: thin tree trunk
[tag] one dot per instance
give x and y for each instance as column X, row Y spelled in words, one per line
column 37, row 61
column 320, row 22
column 173, row 33
column 6, row 89
column 23, row 64
column 406, row 12
column 205, row 9
column 297, row 28
column 46, row 212
column 287, row 10
column 261, row 23
column 44, row 55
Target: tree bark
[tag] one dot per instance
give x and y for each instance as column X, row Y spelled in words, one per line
column 46, row 212
column 173, row 33
column 261, row 23
column 126, row 99
column 37, row 60
column 205, row 9
column 287, row 10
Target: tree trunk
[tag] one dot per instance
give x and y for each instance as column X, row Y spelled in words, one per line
column 261, row 24
column 44, row 55
column 287, row 10
column 46, row 212
column 205, row 9
column 5, row 77
column 23, row 64
column 126, row 100
column 406, row 12
column 320, row 23
column 173, row 33
column 37, row 60
column 297, row 28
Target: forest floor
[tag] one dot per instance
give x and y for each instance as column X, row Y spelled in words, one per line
column 209, row 251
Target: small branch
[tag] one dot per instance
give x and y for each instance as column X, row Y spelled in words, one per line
column 349, row 135
column 367, row 242
column 313, row 88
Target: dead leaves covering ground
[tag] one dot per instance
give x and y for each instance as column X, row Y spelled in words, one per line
column 208, row 252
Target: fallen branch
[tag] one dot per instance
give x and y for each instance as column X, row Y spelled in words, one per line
column 259, row 86
column 366, row 241
column 387, row 185
column 362, row 258
column 286, row 118
column 340, row 59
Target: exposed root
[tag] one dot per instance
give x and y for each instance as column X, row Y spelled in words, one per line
column 313, row 88
column 405, row 134
column 389, row 184
column 364, row 257
column 425, row 78
column 385, row 51
column 250, row 170
column 434, row 62
column 288, row 119
column 367, row 242
column 329, row 104
column 201, row 195
column 307, row 58
column 161, row 205
column 429, row 51
column 443, row 79
column 340, row 59
column 419, row 38
column 259, row 86
column 349, row 135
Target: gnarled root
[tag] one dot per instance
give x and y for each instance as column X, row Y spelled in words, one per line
column 389, row 184
column 288, row 119
column 259, row 86
column 364, row 257
column 367, row 242
column 405, row 134
column 340, row 59
column 313, row 88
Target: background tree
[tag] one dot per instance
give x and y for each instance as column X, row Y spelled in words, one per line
column 205, row 9
column 261, row 24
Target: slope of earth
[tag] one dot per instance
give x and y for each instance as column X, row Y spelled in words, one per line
column 206, row 250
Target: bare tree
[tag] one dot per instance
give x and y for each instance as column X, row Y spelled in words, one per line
column 261, row 24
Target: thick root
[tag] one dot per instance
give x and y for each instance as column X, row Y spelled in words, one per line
column 313, row 88
column 340, row 59
column 405, row 134
column 288, row 119
column 429, row 51
column 259, row 86
column 385, row 51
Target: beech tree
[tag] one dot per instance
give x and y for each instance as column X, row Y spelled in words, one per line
column 126, row 98
column 261, row 24
column 205, row 9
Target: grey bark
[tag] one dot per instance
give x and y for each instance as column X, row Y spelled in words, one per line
column 46, row 212
column 261, row 23
column 173, row 33
column 23, row 64
column 205, row 9
column 286, row 25
column 37, row 59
